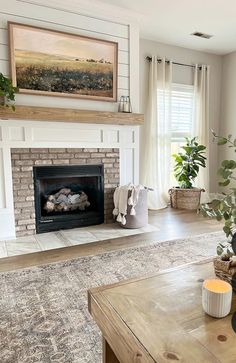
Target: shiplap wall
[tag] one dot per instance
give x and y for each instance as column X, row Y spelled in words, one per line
column 35, row 134
column 68, row 21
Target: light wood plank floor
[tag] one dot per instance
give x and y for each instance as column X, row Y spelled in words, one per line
column 171, row 224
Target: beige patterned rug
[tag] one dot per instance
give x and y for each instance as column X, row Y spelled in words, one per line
column 43, row 310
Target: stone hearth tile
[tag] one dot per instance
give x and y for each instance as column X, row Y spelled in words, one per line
column 22, row 245
column 106, row 234
column 149, row 228
column 77, row 236
column 102, row 227
column 131, row 231
column 49, row 241
column 3, row 249
column 106, row 231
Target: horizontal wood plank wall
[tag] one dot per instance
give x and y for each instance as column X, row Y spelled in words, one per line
column 67, row 21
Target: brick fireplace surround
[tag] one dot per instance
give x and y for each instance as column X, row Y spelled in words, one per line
column 23, row 161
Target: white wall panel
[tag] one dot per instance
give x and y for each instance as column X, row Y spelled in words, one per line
column 123, row 57
column 112, row 137
column 123, row 82
column 3, row 52
column 16, row 133
column 127, row 164
column 29, row 134
column 2, row 182
column 4, row 67
column 3, row 36
column 72, row 22
column 7, row 224
column 62, row 135
column 54, row 16
column 36, row 134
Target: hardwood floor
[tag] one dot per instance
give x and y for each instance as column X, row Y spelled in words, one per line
column 171, row 224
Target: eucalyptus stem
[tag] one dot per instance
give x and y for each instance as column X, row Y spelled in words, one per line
column 225, row 208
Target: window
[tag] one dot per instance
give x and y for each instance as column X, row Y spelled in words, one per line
column 181, row 115
column 182, row 107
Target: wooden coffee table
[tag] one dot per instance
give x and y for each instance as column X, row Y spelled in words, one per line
column 160, row 319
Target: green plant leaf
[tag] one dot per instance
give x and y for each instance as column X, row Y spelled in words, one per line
column 187, row 163
column 7, row 90
column 222, row 141
column 225, row 183
column 219, row 250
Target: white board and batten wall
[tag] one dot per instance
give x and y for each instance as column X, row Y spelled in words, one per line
column 81, row 20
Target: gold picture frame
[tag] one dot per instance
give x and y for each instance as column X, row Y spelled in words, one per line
column 55, row 63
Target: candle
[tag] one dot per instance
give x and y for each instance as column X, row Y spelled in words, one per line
column 216, row 297
column 126, row 106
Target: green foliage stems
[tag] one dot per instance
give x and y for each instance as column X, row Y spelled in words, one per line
column 187, row 164
column 224, row 208
column 7, row 90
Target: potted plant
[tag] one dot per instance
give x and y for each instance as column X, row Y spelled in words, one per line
column 7, row 92
column 186, row 168
column 224, row 209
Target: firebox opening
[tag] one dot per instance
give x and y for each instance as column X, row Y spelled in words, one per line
column 68, row 196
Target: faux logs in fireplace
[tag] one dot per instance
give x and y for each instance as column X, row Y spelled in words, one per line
column 68, row 196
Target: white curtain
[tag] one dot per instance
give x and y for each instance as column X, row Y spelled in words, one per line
column 156, row 153
column 201, row 124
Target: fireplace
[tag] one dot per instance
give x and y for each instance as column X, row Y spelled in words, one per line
column 68, row 196
column 26, row 160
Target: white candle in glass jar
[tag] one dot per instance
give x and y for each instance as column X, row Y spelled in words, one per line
column 216, row 297
column 126, row 107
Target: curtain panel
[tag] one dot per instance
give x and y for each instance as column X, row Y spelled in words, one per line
column 201, row 124
column 155, row 171
column 156, row 153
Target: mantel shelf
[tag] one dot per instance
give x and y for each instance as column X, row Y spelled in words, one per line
column 35, row 113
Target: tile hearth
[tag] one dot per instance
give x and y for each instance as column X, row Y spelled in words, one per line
column 66, row 238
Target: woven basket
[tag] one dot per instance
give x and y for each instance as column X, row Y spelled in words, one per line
column 2, row 100
column 185, row 198
column 141, row 217
column 224, row 270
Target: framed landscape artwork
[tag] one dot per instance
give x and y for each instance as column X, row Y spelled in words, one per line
column 53, row 63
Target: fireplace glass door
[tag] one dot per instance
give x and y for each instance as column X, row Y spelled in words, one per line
column 68, row 196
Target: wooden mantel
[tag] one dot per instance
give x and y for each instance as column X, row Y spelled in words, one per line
column 35, row 113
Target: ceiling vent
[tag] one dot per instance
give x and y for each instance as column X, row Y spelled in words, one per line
column 202, row 35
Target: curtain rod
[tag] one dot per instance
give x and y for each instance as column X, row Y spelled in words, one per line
column 176, row 63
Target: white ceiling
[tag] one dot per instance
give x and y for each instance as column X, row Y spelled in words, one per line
column 173, row 21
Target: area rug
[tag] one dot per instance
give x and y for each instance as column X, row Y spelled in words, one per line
column 43, row 310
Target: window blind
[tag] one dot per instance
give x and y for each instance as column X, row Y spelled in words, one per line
column 181, row 110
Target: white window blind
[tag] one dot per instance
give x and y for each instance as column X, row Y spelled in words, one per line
column 181, row 110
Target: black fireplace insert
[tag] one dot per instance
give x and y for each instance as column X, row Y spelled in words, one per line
column 68, row 196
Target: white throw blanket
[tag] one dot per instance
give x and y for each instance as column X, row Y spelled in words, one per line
column 121, row 201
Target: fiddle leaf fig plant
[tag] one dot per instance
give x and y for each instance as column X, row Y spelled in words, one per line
column 188, row 163
column 7, row 91
column 224, row 207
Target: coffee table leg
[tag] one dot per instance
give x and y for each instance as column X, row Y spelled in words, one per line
column 108, row 354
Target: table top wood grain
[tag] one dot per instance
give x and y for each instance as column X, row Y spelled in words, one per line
column 160, row 319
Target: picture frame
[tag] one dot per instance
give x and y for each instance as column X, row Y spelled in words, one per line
column 55, row 63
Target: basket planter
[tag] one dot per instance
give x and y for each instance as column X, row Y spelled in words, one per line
column 2, row 101
column 225, row 270
column 185, row 198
